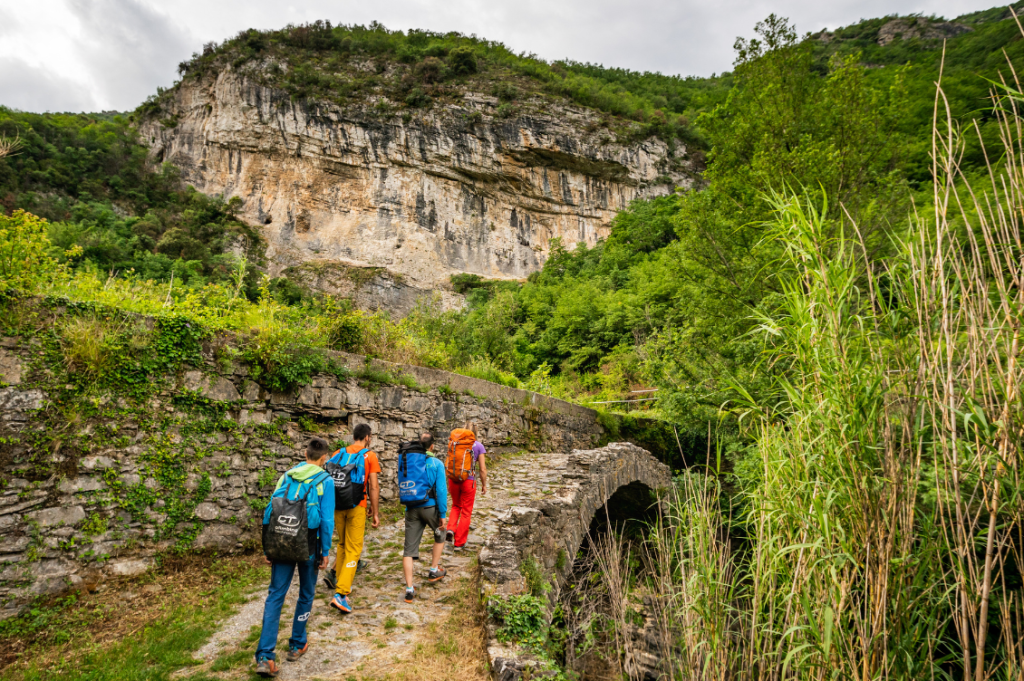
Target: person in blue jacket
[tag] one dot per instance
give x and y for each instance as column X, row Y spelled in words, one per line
column 319, row 516
column 432, row 514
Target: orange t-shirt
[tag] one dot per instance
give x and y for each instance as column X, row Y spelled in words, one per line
column 372, row 466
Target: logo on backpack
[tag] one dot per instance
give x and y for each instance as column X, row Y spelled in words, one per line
column 285, row 522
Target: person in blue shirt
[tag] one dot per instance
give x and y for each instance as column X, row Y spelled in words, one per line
column 432, row 514
column 320, row 519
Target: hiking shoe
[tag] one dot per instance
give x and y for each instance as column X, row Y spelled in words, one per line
column 410, row 594
column 268, row 669
column 458, row 548
column 295, row 653
column 341, row 603
column 436, row 574
column 360, row 566
column 449, row 537
column 330, row 579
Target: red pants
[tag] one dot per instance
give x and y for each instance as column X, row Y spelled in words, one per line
column 463, row 495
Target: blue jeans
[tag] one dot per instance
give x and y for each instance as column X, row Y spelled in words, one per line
column 280, row 580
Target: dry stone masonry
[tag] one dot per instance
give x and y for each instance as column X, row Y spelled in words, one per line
column 561, row 493
column 103, row 491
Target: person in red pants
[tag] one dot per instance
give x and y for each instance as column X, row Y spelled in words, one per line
column 463, row 493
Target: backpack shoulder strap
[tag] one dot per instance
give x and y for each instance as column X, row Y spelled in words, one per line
column 314, row 482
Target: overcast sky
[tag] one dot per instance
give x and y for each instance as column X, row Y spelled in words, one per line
column 93, row 55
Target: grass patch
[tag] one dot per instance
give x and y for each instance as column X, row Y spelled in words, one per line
column 100, row 636
column 453, row 650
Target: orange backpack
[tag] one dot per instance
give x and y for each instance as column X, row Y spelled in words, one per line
column 460, row 454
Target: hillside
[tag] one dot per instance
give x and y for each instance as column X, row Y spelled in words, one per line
column 422, row 156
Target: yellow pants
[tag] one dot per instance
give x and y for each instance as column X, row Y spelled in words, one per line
column 350, row 526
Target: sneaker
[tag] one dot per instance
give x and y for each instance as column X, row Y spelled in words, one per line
column 295, row 653
column 410, row 594
column 266, row 668
column 341, row 603
column 330, row 579
column 436, row 574
column 449, row 537
column 360, row 566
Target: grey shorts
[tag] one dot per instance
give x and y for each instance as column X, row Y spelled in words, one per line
column 416, row 520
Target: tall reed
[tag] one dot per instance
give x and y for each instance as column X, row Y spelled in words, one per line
column 881, row 500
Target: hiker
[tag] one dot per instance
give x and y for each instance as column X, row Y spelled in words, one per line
column 354, row 470
column 421, row 488
column 465, row 454
column 298, row 524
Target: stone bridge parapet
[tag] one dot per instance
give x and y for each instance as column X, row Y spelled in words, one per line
column 566, row 492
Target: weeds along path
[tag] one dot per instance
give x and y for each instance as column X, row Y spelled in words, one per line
column 440, row 636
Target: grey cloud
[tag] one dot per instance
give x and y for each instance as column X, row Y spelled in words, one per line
column 8, row 25
column 31, row 88
column 130, row 48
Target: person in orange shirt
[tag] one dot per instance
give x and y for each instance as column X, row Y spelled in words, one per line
column 351, row 524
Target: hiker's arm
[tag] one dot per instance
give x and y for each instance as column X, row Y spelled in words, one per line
column 483, row 473
column 374, row 501
column 326, row 521
column 441, row 489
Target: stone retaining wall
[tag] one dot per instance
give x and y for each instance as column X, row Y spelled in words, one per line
column 101, row 487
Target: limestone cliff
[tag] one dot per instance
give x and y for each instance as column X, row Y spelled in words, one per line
column 451, row 189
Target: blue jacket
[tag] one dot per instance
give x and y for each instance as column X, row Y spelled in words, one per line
column 317, row 514
column 439, row 481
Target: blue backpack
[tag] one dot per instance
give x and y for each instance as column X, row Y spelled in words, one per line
column 291, row 521
column 414, row 486
column 349, row 473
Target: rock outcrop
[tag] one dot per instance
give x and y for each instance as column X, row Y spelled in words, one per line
column 450, row 189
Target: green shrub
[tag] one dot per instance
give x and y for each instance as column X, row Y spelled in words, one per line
column 462, row 60
column 506, row 110
column 523, row 618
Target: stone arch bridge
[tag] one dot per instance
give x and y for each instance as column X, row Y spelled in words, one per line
column 558, row 497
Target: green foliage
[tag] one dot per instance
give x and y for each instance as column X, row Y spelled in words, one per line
column 536, row 581
column 24, row 251
column 523, row 618
column 83, row 174
column 462, row 60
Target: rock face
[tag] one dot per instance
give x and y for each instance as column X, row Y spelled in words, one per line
column 447, row 190
column 909, row 28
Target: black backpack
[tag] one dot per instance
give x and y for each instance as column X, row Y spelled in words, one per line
column 287, row 537
column 349, row 473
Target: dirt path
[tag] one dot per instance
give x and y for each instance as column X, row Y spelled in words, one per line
column 383, row 629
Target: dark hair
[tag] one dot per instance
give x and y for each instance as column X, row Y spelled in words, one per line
column 361, row 432
column 427, row 440
column 316, row 449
